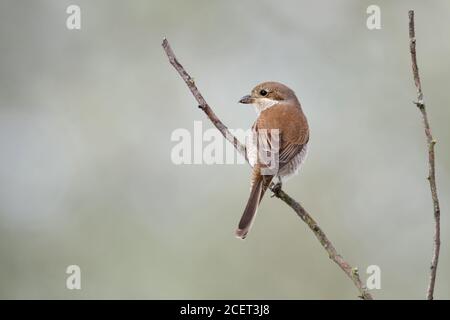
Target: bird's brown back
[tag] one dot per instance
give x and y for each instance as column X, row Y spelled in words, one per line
column 289, row 119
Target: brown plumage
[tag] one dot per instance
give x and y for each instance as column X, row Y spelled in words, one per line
column 280, row 109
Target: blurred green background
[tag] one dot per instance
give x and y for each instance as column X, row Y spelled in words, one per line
column 86, row 177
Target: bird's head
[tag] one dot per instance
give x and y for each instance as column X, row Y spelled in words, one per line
column 267, row 94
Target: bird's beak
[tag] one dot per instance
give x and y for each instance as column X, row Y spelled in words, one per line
column 246, row 99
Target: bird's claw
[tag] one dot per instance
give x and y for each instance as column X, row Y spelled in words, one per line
column 276, row 189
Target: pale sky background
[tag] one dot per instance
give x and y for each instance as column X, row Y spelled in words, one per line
column 85, row 173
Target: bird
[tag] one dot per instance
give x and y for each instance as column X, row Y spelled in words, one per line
column 277, row 146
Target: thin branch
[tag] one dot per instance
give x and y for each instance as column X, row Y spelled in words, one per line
column 352, row 273
column 431, row 166
column 202, row 104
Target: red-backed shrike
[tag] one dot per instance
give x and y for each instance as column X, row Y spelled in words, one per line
column 282, row 134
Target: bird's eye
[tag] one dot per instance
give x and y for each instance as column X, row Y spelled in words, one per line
column 263, row 92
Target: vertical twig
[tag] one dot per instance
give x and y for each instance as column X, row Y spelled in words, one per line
column 352, row 273
column 431, row 163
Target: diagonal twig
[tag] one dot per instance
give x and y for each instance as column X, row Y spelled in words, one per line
column 352, row 273
column 431, row 163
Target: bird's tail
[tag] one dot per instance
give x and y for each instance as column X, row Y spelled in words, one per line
column 258, row 189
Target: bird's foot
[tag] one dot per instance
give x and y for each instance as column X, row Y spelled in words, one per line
column 276, row 189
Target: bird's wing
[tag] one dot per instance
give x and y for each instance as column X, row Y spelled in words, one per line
column 288, row 153
column 267, row 146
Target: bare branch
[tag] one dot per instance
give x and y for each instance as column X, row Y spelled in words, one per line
column 201, row 101
column 352, row 273
column 431, row 163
